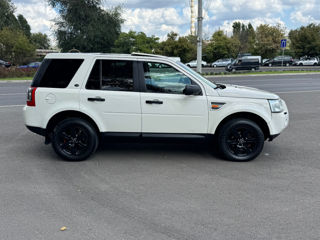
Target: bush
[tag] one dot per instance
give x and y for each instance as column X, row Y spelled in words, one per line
column 14, row 72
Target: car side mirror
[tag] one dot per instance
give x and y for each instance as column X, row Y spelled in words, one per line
column 192, row 90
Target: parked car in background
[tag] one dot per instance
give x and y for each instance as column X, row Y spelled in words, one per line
column 193, row 64
column 241, row 55
column 222, row 62
column 277, row 61
column 307, row 62
column 243, row 64
column 177, row 59
column 4, row 64
column 31, row 65
column 264, row 60
column 253, row 57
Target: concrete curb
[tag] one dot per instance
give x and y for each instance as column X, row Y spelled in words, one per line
column 15, row 81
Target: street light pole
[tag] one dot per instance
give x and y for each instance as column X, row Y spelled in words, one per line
column 199, row 37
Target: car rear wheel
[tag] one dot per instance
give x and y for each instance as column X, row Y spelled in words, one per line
column 74, row 139
column 270, row 64
column 240, row 140
column 287, row 64
column 253, row 69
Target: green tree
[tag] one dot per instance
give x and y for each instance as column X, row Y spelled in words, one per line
column 85, row 26
column 176, row 46
column 7, row 17
column 24, row 26
column 245, row 35
column 221, row 46
column 40, row 40
column 268, row 40
column 306, row 40
column 15, row 46
column 135, row 42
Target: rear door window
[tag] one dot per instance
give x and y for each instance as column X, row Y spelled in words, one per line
column 56, row 73
column 112, row 75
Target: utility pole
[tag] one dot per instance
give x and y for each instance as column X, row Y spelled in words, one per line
column 199, row 37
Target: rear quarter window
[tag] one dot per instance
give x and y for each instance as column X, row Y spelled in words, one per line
column 56, row 73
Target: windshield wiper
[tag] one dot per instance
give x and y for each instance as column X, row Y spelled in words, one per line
column 221, row 86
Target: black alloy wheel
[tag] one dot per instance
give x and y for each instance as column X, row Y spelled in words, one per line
column 74, row 139
column 240, row 140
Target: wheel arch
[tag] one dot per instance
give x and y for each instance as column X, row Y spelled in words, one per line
column 58, row 117
column 247, row 115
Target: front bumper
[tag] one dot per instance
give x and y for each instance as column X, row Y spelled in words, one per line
column 279, row 122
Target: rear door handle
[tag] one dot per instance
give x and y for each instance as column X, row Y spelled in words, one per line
column 156, row 101
column 96, row 99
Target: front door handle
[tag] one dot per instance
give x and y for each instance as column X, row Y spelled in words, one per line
column 156, row 101
column 96, row 99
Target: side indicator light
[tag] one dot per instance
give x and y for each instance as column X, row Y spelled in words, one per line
column 216, row 106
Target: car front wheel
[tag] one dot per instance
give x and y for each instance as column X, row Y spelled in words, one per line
column 240, row 140
column 74, row 139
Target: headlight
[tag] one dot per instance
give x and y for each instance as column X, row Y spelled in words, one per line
column 276, row 106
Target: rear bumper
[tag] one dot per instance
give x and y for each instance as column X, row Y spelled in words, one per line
column 272, row 137
column 37, row 130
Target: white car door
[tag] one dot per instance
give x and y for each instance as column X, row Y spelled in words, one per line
column 165, row 109
column 112, row 97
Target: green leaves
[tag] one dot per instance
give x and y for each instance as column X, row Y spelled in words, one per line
column 268, row 40
column 222, row 46
column 175, row 46
column 15, row 46
column 306, row 40
column 40, row 40
column 135, row 42
column 85, row 26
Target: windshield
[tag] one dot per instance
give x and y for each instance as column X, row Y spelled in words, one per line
column 197, row 75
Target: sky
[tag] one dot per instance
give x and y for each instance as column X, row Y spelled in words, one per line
column 160, row 17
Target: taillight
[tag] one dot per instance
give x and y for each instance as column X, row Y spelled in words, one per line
column 31, row 97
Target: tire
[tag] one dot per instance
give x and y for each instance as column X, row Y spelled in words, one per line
column 253, row 69
column 270, row 64
column 233, row 70
column 287, row 64
column 315, row 64
column 74, row 139
column 214, row 66
column 240, row 140
column 301, row 64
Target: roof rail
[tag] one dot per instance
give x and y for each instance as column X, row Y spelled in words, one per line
column 147, row 55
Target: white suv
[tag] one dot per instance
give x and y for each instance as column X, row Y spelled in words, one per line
column 77, row 99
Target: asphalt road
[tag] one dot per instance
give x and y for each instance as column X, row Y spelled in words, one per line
column 164, row 191
column 275, row 83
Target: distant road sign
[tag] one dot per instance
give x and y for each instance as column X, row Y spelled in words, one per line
column 283, row 43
